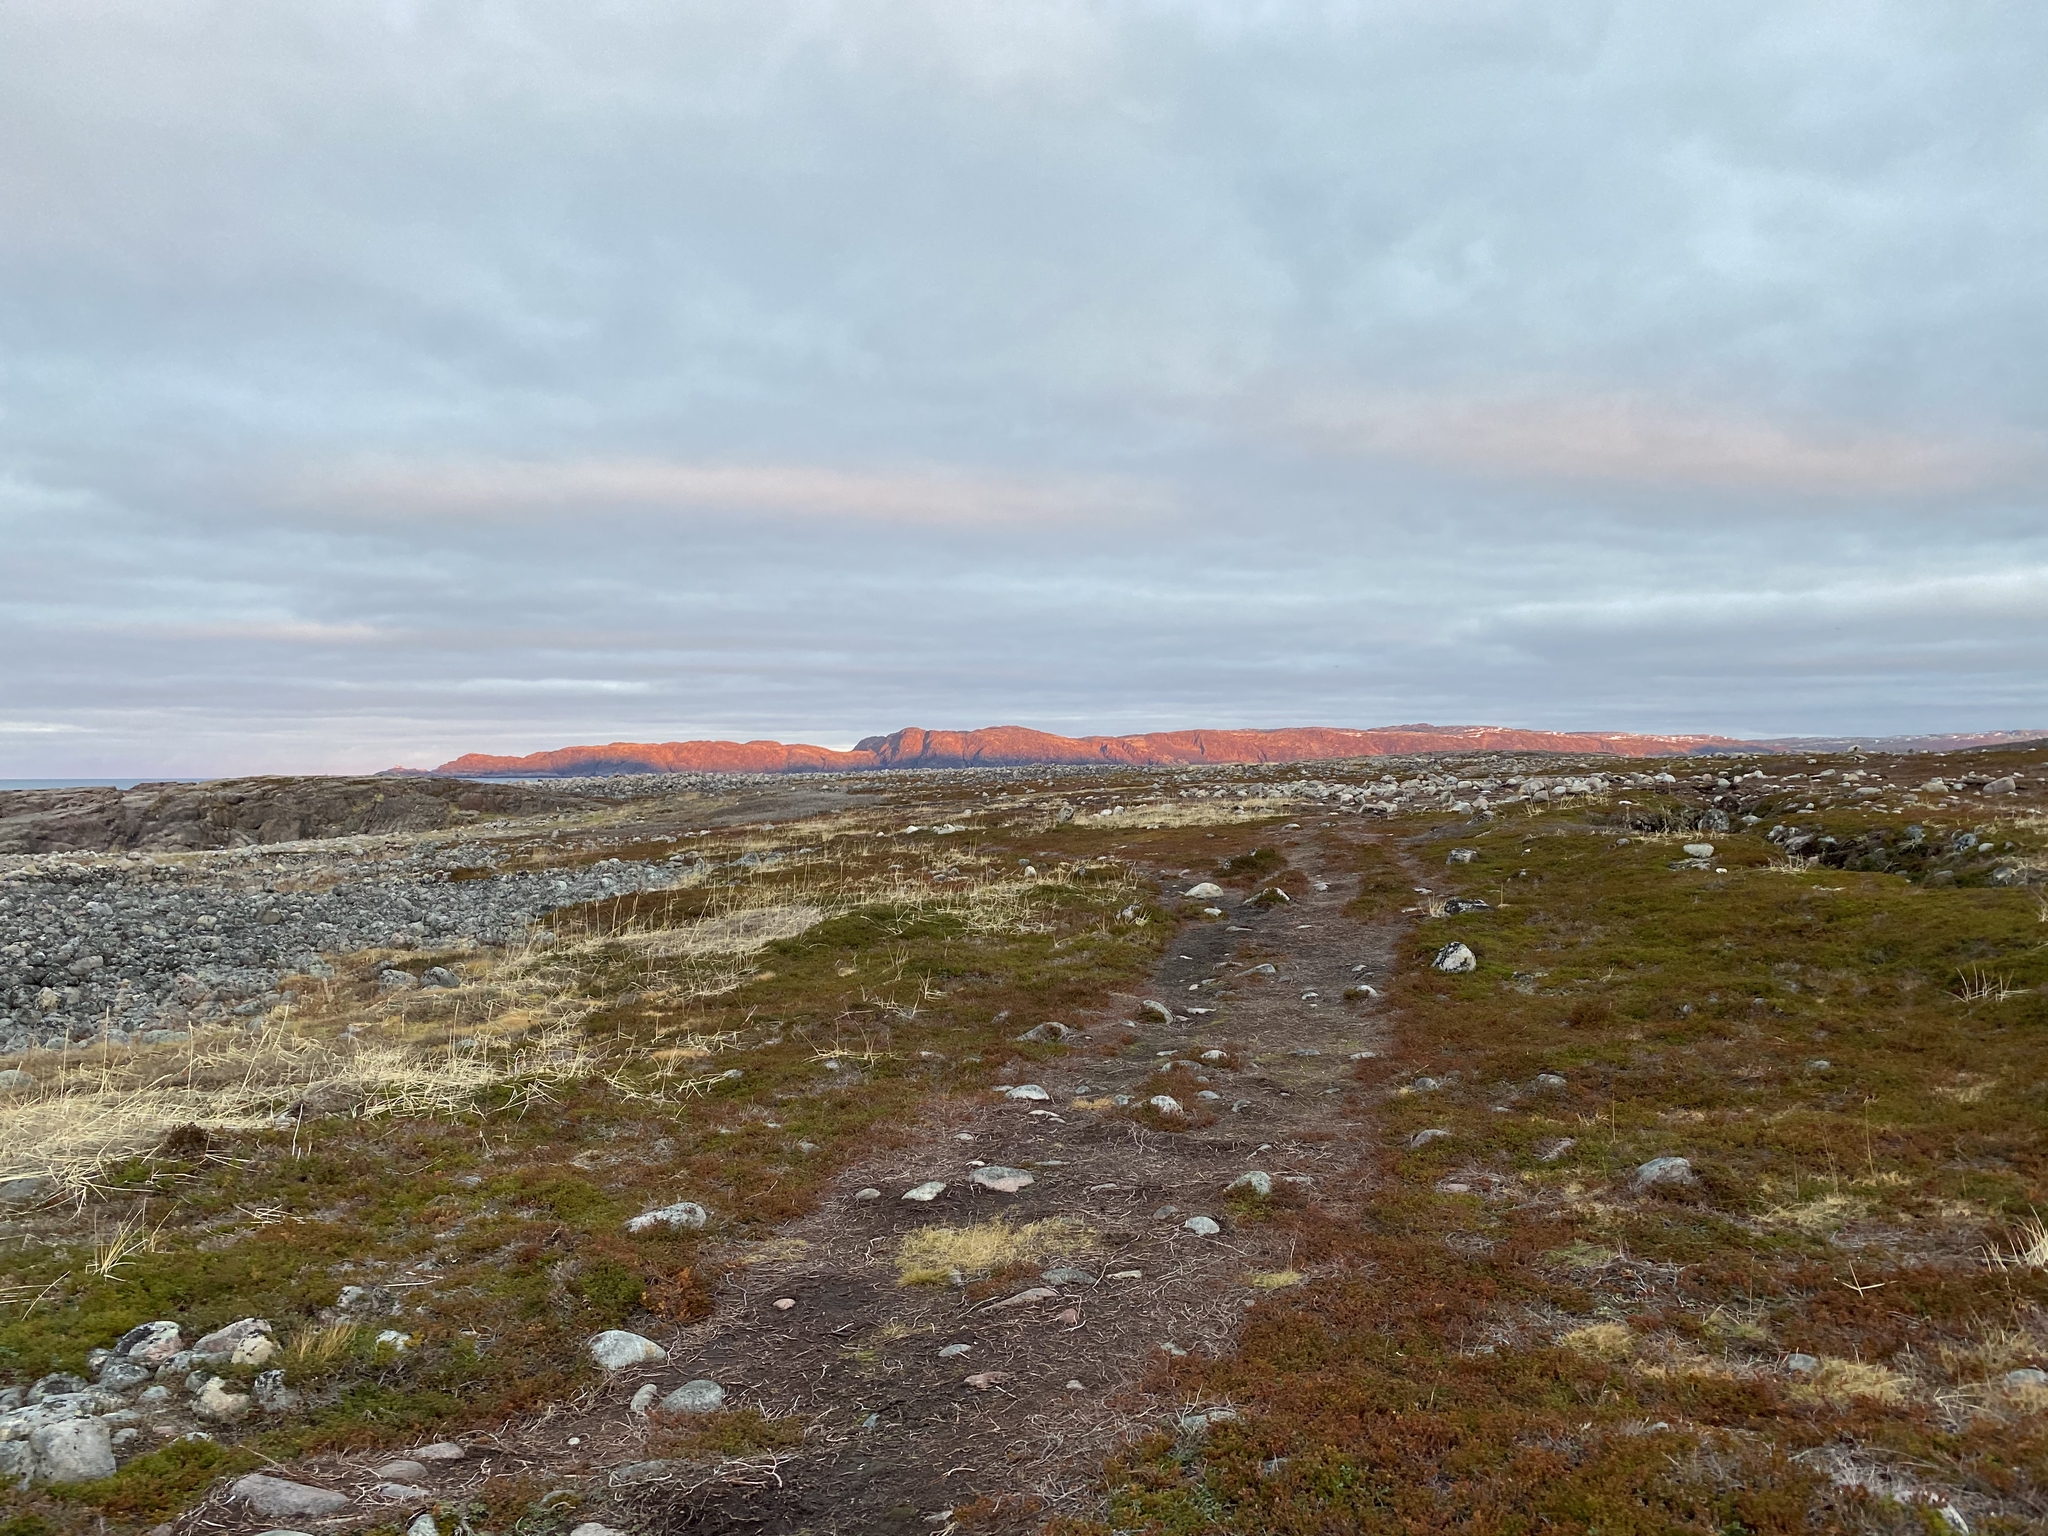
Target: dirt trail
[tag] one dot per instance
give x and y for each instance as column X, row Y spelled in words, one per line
column 898, row 1433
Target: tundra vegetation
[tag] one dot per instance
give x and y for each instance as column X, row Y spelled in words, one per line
column 1708, row 1199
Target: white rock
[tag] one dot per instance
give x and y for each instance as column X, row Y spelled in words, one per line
column 954, row 1351
column 1455, row 957
column 423, row 1525
column 1004, row 1181
column 1030, row 1092
column 928, row 1191
column 402, row 1493
column 1260, row 1184
column 1699, row 850
column 1166, row 1104
column 151, row 1343
column 403, row 1471
column 643, row 1400
column 684, row 1215
column 71, row 1451
column 1424, row 1138
column 698, row 1396
column 593, row 1528
column 870, row 1193
column 617, row 1350
column 440, row 1450
column 14, row 1080
column 1207, row 888
column 1153, row 1009
column 1201, row 1226
column 223, row 1342
column 279, row 1498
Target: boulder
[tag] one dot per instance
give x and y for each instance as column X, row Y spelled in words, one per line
column 226, row 1343
column 617, row 1350
column 1201, row 1226
column 150, row 1343
column 71, row 1451
column 217, row 1404
column 13, row 1080
column 1166, row 1104
column 1045, row 1034
column 1663, row 1170
column 683, row 1216
column 1003, row 1181
column 698, row 1396
column 926, row 1192
column 278, row 1498
column 1254, row 1182
column 1207, row 889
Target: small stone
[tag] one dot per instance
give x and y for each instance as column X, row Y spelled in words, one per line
column 279, row 1498
column 1802, row 1365
column 1213, row 1057
column 593, row 1528
column 402, row 1493
column 72, row 1451
column 683, row 1216
column 1551, row 1151
column 2005, row 786
column 870, row 1193
column 440, row 1450
column 1664, row 1170
column 1128, row 1274
column 1699, row 850
column 1066, row 1276
column 784, row 1303
column 1026, row 1298
column 396, row 981
column 1004, row 1181
column 1156, row 1011
column 14, row 1080
column 1205, row 891
column 1165, row 1104
column 1028, row 1092
column 643, row 1400
column 1201, row 1226
column 222, row 1343
column 954, row 1351
column 982, row 1381
column 396, row 1341
column 1046, row 1033
column 926, row 1192
column 423, row 1525
column 1550, row 1080
column 1258, row 1183
column 439, row 976
column 118, row 1375
column 698, row 1396
column 1456, row 958
column 2025, row 1378
column 1461, row 856
column 617, row 1350
column 401, row 1471
column 1424, row 1138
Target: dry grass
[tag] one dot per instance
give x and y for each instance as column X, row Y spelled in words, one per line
column 2029, row 1249
column 940, row 1255
column 1842, row 1382
column 322, row 1345
column 1603, row 1341
column 88, row 1115
column 1154, row 815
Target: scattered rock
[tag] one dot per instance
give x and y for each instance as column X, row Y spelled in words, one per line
column 683, row 1216
column 617, row 1350
column 13, row 1080
column 402, row 1493
column 954, row 1351
column 2026, row 1377
column 439, row 976
column 1028, row 1093
column 150, row 1343
column 1166, row 1104
column 1026, row 1298
column 1551, row 1151
column 1455, row 957
column 396, row 981
column 1065, row 1276
column 280, row 1499
column 227, row 1343
column 1207, row 889
column 1802, row 1365
column 1155, row 1010
column 2005, row 786
column 402, row 1471
column 1004, row 1181
column 1424, row 1138
column 699, row 1396
column 870, row 1193
column 1201, row 1226
column 1259, row 1184
column 1699, row 850
column 1550, row 1080
column 593, row 1528
column 1663, row 1170
column 440, row 1450
column 423, row 1525
column 982, row 1381
column 643, row 1400
column 1046, row 1033
column 1461, row 855
column 927, row 1191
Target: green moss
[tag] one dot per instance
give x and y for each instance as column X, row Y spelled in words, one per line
column 158, row 1483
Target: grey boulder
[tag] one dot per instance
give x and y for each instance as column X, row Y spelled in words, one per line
column 71, row 1451
column 279, row 1499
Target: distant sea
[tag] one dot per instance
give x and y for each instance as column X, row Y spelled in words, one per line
column 94, row 783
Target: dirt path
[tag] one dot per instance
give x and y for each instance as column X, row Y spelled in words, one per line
column 1022, row 1418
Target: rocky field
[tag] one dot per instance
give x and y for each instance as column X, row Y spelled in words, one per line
column 1481, row 1142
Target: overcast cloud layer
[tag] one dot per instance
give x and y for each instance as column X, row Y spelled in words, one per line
column 380, row 382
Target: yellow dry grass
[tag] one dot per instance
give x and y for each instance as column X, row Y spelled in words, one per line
column 2027, row 1247
column 937, row 1255
column 1845, row 1381
column 1273, row 1279
column 1603, row 1341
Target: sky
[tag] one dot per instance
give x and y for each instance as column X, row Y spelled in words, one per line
column 385, row 381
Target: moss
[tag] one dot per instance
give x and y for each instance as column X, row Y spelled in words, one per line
column 159, row 1483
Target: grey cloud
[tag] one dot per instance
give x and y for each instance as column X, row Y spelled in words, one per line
column 380, row 384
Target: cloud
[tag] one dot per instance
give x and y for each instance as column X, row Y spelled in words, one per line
column 484, row 490
column 1635, row 440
